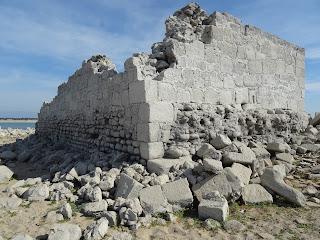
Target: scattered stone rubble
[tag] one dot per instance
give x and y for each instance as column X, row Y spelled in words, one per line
column 214, row 155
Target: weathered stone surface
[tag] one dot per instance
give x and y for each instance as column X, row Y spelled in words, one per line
column 216, row 208
column 205, row 150
column 255, row 194
column 38, row 192
column 277, row 147
column 97, row 230
column 220, row 141
column 311, row 147
column 178, row 192
column 286, row 157
column 246, row 157
column 95, row 208
column 273, row 180
column 112, row 217
column 153, row 200
column 163, row 166
column 212, row 165
column 65, row 231
column 242, row 172
column 5, row 174
column 128, row 187
column 218, row 183
column 66, row 211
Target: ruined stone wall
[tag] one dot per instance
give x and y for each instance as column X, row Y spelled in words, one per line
column 204, row 59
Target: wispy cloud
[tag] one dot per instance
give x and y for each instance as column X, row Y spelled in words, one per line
column 313, row 86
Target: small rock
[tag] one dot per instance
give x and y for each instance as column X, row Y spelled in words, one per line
column 121, row 236
column 211, row 224
column 173, row 152
column 315, row 169
column 277, row 147
column 10, row 203
column 65, row 232
column 97, row 230
column 112, row 217
column 301, row 150
column 53, row 217
column 205, row 150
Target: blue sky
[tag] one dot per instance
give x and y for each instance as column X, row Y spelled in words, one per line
column 42, row 42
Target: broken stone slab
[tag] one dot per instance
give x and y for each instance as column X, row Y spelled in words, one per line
column 278, row 147
column 153, row 200
column 281, row 168
column 10, row 203
column 65, row 231
column 220, row 141
column 8, row 155
column 218, row 183
column 66, row 211
column 311, row 147
column 164, row 165
column 207, row 150
column 39, row 192
column 216, row 207
column 178, row 193
column 261, row 153
column 5, row 174
column 242, row 172
column 255, row 194
column 273, row 180
column 246, row 157
column 112, row 217
column 128, row 187
column 212, row 165
column 95, row 208
column 96, row 230
column 286, row 157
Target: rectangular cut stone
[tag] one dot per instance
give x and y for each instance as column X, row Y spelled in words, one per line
column 178, row 192
column 128, row 187
column 163, row 165
column 151, row 150
column 153, row 200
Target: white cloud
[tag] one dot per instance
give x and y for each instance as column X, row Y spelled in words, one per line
column 313, row 86
column 313, row 53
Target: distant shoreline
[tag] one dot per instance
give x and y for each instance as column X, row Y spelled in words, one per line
column 29, row 120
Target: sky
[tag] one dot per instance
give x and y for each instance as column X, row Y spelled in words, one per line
column 42, row 42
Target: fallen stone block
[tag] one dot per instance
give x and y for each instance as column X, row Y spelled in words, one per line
column 255, row 194
column 286, row 157
column 178, row 193
column 5, row 174
column 153, row 200
column 233, row 157
column 278, row 147
column 95, row 208
column 96, row 230
column 218, row 183
column 65, row 231
column 212, row 165
column 216, row 208
column 311, row 147
column 273, row 180
column 242, row 172
column 205, row 150
column 163, row 165
column 39, row 192
column 128, row 187
column 220, row 141
column 21, row 237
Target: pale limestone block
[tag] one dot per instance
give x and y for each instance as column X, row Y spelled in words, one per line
column 211, row 95
column 151, row 150
column 226, row 65
column 156, row 112
column 167, row 92
column 148, row 132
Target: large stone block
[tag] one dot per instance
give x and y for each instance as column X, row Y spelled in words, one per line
column 156, row 112
column 148, row 132
column 178, row 192
column 128, row 187
column 151, row 150
column 153, row 200
column 163, row 165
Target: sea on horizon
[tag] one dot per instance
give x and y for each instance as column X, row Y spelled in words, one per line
column 19, row 125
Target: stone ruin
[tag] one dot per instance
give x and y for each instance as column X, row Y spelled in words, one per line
column 209, row 73
column 213, row 115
